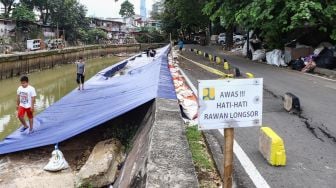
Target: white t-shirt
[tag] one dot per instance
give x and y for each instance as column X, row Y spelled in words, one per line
column 26, row 95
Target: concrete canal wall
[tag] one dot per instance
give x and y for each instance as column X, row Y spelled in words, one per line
column 160, row 156
column 24, row 63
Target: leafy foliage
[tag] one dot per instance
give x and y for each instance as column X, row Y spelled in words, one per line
column 183, row 17
column 94, row 34
column 150, row 36
column 69, row 15
column 43, row 6
column 277, row 20
column 22, row 13
column 126, row 9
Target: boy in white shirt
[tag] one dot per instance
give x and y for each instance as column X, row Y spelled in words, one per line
column 25, row 103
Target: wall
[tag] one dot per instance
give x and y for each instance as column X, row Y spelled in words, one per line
column 160, row 156
column 18, row 64
column 5, row 28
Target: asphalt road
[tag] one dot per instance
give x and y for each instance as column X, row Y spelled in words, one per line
column 310, row 139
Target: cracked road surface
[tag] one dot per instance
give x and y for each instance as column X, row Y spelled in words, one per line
column 310, row 137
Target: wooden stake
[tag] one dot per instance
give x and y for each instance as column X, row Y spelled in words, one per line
column 228, row 157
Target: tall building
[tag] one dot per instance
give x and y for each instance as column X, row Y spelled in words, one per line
column 157, row 8
column 143, row 11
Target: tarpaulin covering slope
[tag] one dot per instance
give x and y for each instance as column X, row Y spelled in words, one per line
column 103, row 99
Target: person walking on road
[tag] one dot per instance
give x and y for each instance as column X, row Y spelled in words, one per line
column 80, row 73
column 180, row 44
column 25, row 103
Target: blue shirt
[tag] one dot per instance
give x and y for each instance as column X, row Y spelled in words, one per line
column 180, row 43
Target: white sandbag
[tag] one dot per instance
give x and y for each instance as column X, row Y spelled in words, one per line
column 259, row 55
column 245, row 49
column 186, row 93
column 57, row 162
column 318, row 50
column 173, row 70
column 190, row 108
column 178, row 83
column 181, row 88
column 276, row 58
column 179, row 97
column 175, row 74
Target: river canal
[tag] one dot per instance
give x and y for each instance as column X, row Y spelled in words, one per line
column 50, row 85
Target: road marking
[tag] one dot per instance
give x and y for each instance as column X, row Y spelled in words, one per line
column 244, row 160
column 317, row 76
column 207, row 68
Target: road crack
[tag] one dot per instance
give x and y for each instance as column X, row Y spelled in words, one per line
column 312, row 130
column 327, row 134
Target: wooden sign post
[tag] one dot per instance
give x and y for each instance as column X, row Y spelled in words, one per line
column 228, row 156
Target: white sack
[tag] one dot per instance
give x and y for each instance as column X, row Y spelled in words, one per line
column 276, row 58
column 259, row 55
column 57, row 162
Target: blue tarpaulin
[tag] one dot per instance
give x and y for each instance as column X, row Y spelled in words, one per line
column 109, row 94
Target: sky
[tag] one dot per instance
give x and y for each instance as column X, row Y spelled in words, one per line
column 110, row 8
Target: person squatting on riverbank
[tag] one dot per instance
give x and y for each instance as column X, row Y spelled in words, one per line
column 25, row 103
column 80, row 73
column 150, row 52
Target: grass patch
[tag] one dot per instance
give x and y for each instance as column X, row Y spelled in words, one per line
column 198, row 149
column 205, row 168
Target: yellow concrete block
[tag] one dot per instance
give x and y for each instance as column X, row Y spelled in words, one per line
column 272, row 147
column 199, row 52
column 210, row 57
column 249, row 75
column 218, row 60
column 226, row 65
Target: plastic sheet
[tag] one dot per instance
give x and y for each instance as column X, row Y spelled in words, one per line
column 104, row 98
column 276, row 58
column 259, row 55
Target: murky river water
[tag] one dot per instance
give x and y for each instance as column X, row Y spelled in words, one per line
column 50, row 85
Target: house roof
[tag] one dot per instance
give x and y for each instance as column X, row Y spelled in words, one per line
column 107, row 20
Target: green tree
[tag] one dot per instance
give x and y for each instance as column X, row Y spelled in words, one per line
column 183, row 17
column 281, row 21
column 192, row 19
column 69, row 15
column 225, row 10
column 22, row 13
column 8, row 5
column 126, row 9
column 43, row 6
column 278, row 21
column 95, row 34
column 170, row 23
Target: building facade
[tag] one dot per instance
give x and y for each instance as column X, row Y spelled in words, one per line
column 111, row 27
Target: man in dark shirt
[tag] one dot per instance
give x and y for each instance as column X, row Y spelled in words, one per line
column 80, row 73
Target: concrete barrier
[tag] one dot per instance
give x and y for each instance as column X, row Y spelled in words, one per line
column 160, row 156
column 272, row 147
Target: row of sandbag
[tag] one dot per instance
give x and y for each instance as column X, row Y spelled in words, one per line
column 185, row 95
